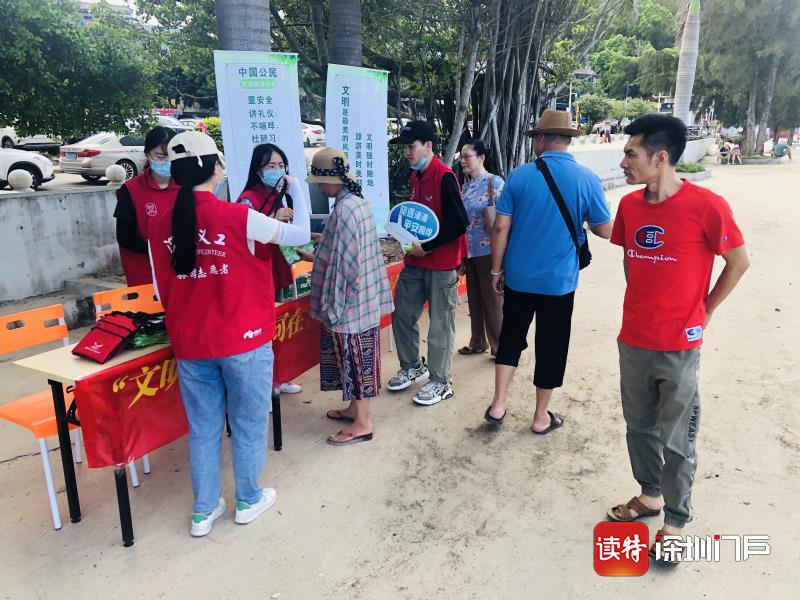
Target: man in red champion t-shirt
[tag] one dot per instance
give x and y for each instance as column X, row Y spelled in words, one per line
column 670, row 231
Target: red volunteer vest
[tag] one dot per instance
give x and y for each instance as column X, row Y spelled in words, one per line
column 281, row 271
column 226, row 305
column 427, row 190
column 148, row 201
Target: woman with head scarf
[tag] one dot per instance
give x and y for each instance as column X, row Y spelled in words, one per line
column 349, row 294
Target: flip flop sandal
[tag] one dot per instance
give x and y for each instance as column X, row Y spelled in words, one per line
column 466, row 350
column 556, row 421
column 336, row 415
column 493, row 420
column 626, row 513
column 350, row 439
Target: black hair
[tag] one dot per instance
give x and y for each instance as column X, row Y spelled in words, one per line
column 259, row 152
column 660, row 132
column 187, row 173
column 478, row 145
column 157, row 137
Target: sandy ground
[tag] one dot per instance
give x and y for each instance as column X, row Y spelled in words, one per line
column 438, row 506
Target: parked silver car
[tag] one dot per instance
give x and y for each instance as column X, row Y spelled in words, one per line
column 89, row 158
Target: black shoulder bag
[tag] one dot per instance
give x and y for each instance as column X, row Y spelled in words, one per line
column 584, row 254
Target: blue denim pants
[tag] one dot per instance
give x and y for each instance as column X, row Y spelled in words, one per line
column 242, row 383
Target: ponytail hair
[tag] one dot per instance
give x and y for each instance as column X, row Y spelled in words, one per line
column 188, row 173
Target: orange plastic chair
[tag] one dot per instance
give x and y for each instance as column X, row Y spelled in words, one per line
column 35, row 412
column 140, row 298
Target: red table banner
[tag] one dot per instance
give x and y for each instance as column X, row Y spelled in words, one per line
column 131, row 409
column 134, row 408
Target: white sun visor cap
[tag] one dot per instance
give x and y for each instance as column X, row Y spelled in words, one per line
column 193, row 144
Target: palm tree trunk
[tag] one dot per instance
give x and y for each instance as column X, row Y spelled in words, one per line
column 243, row 24
column 749, row 142
column 345, row 33
column 765, row 115
column 687, row 62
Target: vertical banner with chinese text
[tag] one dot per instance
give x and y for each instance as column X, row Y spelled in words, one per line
column 259, row 103
column 355, row 122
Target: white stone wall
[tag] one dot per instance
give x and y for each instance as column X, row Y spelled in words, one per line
column 49, row 237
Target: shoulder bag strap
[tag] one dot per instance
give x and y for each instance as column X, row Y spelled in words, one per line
column 562, row 207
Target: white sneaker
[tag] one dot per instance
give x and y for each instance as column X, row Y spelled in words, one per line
column 246, row 513
column 291, row 388
column 433, row 392
column 202, row 524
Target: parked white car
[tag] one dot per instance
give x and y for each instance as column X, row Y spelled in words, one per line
column 40, row 167
column 313, row 135
column 10, row 139
column 89, row 158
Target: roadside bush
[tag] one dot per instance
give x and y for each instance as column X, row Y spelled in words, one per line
column 689, row 167
column 214, row 126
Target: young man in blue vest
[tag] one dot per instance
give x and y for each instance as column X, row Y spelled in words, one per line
column 430, row 272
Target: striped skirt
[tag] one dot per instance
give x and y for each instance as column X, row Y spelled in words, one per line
column 351, row 362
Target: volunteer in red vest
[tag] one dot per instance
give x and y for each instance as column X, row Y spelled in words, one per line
column 266, row 191
column 138, row 200
column 220, row 314
column 430, row 272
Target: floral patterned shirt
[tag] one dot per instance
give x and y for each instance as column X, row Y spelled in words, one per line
column 475, row 194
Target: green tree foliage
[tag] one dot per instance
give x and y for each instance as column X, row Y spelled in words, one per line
column 657, row 69
column 656, row 24
column 185, row 32
column 641, row 51
column 595, row 108
column 631, row 108
column 61, row 79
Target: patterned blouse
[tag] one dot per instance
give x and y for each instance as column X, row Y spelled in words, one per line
column 349, row 286
column 475, row 194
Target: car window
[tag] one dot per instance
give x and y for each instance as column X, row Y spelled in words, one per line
column 98, row 139
column 129, row 140
column 169, row 122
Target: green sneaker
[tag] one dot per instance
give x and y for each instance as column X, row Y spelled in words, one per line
column 245, row 513
column 202, row 523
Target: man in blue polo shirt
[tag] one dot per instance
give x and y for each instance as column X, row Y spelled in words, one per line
column 535, row 263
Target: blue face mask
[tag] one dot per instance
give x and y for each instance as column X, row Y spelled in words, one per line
column 271, row 177
column 420, row 163
column 220, row 189
column 161, row 168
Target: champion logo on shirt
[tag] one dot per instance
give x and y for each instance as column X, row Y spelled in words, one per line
column 648, row 237
column 694, row 334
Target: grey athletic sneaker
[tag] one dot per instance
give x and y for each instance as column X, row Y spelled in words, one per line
column 433, row 392
column 405, row 377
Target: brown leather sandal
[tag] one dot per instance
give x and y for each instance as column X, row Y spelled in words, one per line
column 669, row 552
column 625, row 510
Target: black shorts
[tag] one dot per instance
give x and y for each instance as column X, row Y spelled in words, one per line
column 553, row 325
